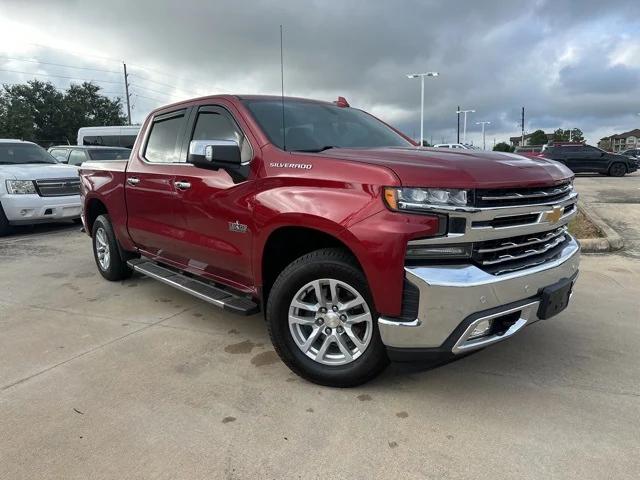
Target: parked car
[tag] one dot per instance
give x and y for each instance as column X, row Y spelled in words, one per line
column 633, row 152
column 586, row 158
column 75, row 155
column 463, row 146
column 357, row 245
column 531, row 151
column 116, row 136
column 34, row 188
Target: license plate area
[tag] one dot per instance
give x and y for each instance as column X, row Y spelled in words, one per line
column 555, row 298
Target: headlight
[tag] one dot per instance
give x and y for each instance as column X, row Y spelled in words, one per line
column 15, row 187
column 425, row 198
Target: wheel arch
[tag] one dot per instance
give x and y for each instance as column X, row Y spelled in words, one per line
column 286, row 243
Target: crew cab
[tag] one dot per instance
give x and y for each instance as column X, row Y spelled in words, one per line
column 34, row 188
column 359, row 246
column 582, row 158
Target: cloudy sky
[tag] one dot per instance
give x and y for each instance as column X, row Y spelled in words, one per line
column 570, row 63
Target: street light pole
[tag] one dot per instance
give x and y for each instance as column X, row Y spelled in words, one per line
column 421, row 76
column 464, row 128
column 484, row 143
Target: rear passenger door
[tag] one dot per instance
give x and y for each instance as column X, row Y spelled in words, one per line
column 155, row 215
column 217, row 212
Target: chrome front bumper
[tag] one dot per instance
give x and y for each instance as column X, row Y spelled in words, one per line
column 452, row 298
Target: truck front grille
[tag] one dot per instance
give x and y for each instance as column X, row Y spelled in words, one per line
column 506, row 197
column 58, row 187
column 516, row 253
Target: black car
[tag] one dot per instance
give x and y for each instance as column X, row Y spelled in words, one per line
column 78, row 154
column 585, row 158
column 633, row 152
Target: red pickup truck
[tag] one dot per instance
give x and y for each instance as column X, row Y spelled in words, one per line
column 359, row 246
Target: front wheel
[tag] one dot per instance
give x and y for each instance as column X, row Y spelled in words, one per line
column 618, row 169
column 106, row 252
column 322, row 320
column 5, row 228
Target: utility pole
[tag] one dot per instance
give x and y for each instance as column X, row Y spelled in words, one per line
column 458, row 113
column 484, row 142
column 522, row 143
column 126, row 91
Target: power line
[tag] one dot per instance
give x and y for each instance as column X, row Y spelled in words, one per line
column 148, row 98
column 75, row 54
column 101, row 92
column 59, row 64
column 152, row 81
column 155, row 91
column 60, row 76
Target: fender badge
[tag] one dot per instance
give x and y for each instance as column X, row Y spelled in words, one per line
column 552, row 216
column 302, row 166
column 237, row 227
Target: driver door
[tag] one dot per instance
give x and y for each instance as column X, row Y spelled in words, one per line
column 216, row 207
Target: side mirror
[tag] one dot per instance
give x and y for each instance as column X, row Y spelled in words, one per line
column 214, row 153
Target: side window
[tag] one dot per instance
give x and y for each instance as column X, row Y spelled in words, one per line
column 127, row 141
column 60, row 154
column 76, row 157
column 218, row 125
column 165, row 139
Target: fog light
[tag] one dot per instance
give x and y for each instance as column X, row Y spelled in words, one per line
column 23, row 212
column 481, row 329
column 418, row 252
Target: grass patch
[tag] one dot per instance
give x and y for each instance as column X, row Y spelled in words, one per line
column 580, row 227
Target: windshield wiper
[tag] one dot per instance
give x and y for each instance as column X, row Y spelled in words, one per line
column 316, row 150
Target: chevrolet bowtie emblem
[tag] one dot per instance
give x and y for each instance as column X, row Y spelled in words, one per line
column 552, row 216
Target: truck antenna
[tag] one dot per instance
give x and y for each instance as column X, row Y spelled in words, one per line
column 284, row 131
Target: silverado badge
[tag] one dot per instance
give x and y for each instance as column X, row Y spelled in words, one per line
column 237, row 227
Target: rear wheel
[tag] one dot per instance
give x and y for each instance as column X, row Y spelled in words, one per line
column 322, row 320
column 107, row 252
column 617, row 169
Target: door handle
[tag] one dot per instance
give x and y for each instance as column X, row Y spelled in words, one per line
column 133, row 180
column 182, row 185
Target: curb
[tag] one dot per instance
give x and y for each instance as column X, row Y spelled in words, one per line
column 612, row 240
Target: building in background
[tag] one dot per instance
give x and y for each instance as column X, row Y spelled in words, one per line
column 516, row 141
column 621, row 141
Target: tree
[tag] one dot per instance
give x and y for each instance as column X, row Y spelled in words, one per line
column 605, row 144
column 503, row 147
column 38, row 112
column 538, row 138
column 561, row 135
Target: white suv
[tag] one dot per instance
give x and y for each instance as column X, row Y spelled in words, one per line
column 34, row 188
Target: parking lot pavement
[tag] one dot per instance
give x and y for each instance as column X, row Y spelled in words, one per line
column 136, row 380
column 616, row 201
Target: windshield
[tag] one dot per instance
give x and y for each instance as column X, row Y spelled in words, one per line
column 23, row 153
column 313, row 127
column 109, row 154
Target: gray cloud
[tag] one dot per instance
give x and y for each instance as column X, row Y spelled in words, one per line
column 555, row 58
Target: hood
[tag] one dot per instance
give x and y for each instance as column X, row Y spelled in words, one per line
column 37, row 171
column 427, row 167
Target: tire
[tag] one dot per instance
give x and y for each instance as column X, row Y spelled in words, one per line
column 617, row 169
column 5, row 228
column 105, row 245
column 342, row 363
